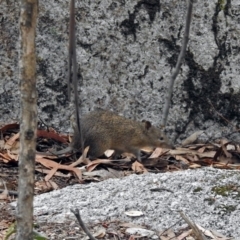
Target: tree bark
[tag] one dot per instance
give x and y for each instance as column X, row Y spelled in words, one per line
column 28, row 119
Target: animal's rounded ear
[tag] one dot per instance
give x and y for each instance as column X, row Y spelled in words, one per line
column 147, row 124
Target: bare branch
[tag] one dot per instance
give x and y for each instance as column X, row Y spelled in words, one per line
column 72, row 67
column 197, row 232
column 179, row 63
column 81, row 223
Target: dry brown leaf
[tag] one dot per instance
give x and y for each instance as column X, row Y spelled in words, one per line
column 13, row 156
column 51, row 164
column 52, row 135
column 185, row 234
column 9, row 126
column 192, row 138
column 181, row 158
column 82, row 159
column 43, row 186
column 167, row 235
column 209, row 154
column 50, row 174
column 59, row 174
column 181, row 151
column 193, row 226
column 108, row 153
column 205, row 231
column 8, row 156
column 224, row 166
column 128, row 155
column 210, row 146
column 219, row 236
column 195, row 157
column 196, row 146
column 190, row 157
column 53, row 184
column 147, row 149
column 5, row 157
column 15, row 148
column 45, row 154
column 93, row 164
column 157, row 152
column 193, row 166
column 137, row 167
column 213, row 234
column 11, row 141
column 4, row 195
column 90, row 167
column 202, row 149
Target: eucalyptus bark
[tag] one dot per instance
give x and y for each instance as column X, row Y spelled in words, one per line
column 28, row 118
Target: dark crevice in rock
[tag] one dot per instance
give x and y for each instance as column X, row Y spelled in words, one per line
column 203, row 86
column 50, row 108
column 207, row 88
column 173, row 48
column 6, row 103
column 58, row 85
column 220, row 42
column 144, row 73
column 152, row 6
column 42, row 67
column 129, row 26
column 84, row 45
column 62, row 99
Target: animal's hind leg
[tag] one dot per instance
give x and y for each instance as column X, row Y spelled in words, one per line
column 96, row 149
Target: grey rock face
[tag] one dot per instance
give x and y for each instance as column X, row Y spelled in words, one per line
column 126, row 52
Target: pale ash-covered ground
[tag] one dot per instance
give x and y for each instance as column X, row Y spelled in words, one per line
column 210, row 197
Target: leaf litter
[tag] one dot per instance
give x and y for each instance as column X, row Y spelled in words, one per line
column 60, row 171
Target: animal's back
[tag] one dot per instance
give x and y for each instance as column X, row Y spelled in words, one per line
column 104, row 130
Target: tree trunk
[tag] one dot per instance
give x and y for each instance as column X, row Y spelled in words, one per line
column 28, row 121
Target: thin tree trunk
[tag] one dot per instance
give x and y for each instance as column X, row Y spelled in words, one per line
column 179, row 62
column 28, row 120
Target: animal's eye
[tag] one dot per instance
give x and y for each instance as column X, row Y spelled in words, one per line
column 161, row 138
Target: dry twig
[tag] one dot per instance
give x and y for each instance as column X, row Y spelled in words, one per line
column 81, row 223
column 197, row 232
column 179, row 63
